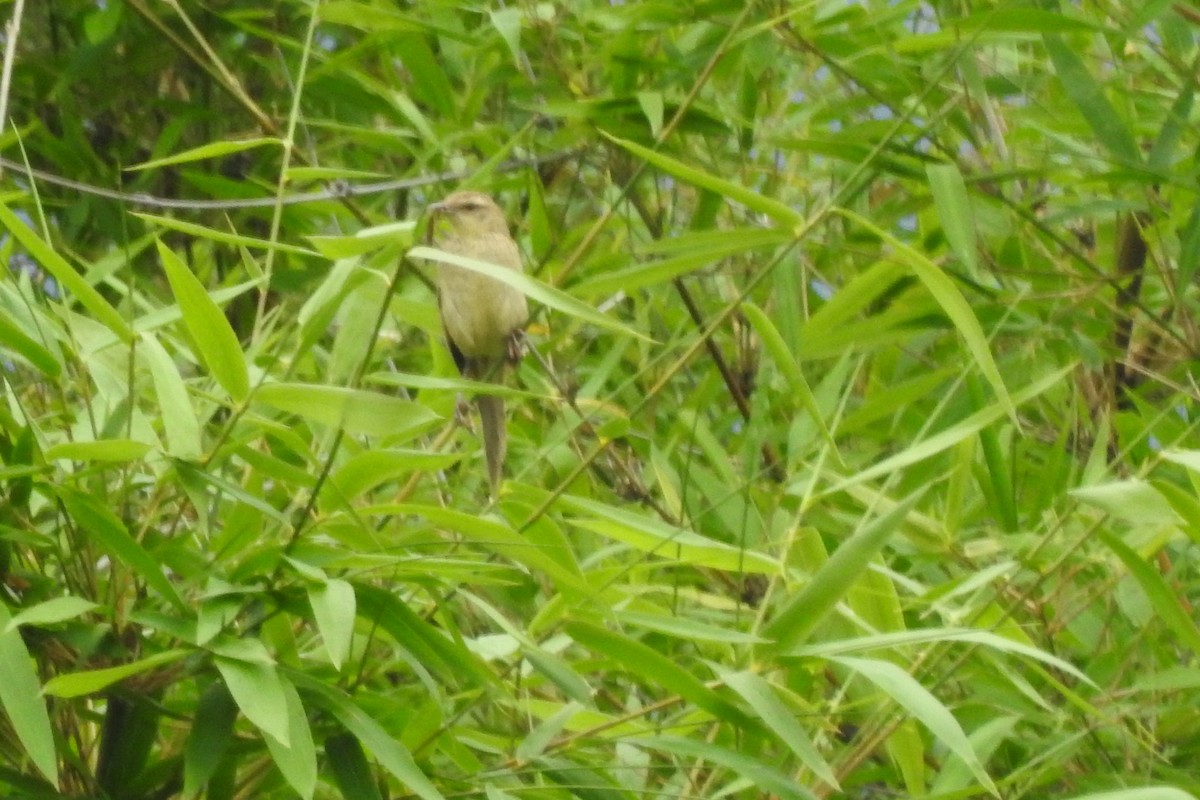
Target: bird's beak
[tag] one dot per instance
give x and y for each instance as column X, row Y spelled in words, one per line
column 436, row 208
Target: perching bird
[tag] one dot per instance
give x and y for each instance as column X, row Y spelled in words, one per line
column 482, row 316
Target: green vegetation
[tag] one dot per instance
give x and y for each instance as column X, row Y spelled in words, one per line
column 858, row 457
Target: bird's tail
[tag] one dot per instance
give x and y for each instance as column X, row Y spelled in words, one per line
column 491, row 417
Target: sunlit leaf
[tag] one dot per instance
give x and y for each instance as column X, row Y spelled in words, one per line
column 214, row 338
column 211, row 150
column 21, row 698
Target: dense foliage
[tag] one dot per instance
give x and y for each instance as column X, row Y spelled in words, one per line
column 856, row 455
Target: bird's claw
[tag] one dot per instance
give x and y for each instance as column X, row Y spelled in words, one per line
column 516, row 346
column 462, row 414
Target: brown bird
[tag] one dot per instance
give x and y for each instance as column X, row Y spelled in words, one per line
column 482, row 316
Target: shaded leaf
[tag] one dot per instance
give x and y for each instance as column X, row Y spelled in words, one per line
column 100, row 524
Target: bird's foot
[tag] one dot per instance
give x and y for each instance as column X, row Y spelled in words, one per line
column 516, row 346
column 462, row 413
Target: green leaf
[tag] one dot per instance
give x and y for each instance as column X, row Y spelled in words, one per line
column 50, row 612
column 507, row 22
column 333, row 608
column 652, row 107
column 945, row 439
column 1189, row 248
column 1177, row 122
column 363, row 241
column 389, row 751
column 953, row 206
column 215, row 341
column 543, row 293
column 297, row 760
column 209, row 737
column 211, row 150
column 943, row 290
column 106, row 450
column 1132, row 500
column 786, row 363
column 538, row 739
column 1088, row 96
column 43, row 359
column 760, row 775
column 180, row 424
column 1139, row 793
column 430, row 646
column 100, row 524
column 759, row 695
column 686, row 629
column 649, row 535
column 224, row 237
column 369, row 17
column 1183, row 503
column 259, row 693
column 78, row 684
column 560, row 673
column 499, row 537
column 924, row 707
column 656, row 669
column 21, row 698
column 357, row 410
column 65, row 274
column 705, row 252
column 779, row 212
column 895, row 639
column 1165, row 600
column 369, row 469
column 806, row 609
column 351, row 771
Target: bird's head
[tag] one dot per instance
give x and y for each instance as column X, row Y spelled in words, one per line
column 468, row 213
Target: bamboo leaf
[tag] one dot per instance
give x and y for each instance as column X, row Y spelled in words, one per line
column 178, row 417
column 58, row 609
column 65, row 274
column 389, row 751
column 1163, row 598
column 777, row 211
column 786, row 363
column 224, row 237
column 808, row 608
column 21, row 698
column 1088, row 96
column 651, row 536
column 100, row 524
column 104, row 450
column 79, row 684
column 910, row 695
column 350, row 768
column 297, row 760
column 943, row 290
column 357, row 410
column 259, row 693
column 655, row 669
column 953, row 206
column 334, row 609
column 211, row 150
column 215, row 341
column 759, row 695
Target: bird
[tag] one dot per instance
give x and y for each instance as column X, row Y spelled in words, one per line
column 483, row 318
